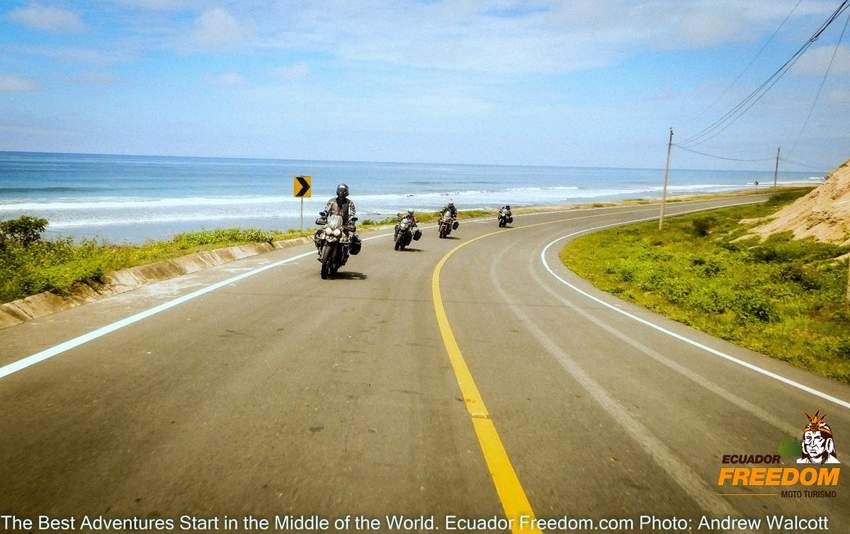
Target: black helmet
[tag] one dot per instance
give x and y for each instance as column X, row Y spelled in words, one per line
column 451, row 204
column 508, row 207
column 342, row 190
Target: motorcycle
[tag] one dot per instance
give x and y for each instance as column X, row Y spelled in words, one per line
column 505, row 218
column 447, row 224
column 404, row 234
column 333, row 242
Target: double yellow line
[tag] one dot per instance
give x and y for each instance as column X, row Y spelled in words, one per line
column 511, row 493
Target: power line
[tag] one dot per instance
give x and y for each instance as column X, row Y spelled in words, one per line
column 737, row 111
column 720, row 157
column 751, row 62
column 801, row 164
column 820, row 87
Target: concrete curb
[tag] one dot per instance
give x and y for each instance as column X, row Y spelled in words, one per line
column 114, row 283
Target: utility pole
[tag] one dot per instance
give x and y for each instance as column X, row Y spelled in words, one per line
column 776, row 167
column 666, row 175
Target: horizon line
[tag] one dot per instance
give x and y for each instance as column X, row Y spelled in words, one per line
column 4, row 151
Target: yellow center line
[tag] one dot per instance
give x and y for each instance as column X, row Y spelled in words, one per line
column 511, row 493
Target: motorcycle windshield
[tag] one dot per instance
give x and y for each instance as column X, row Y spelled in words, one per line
column 334, row 221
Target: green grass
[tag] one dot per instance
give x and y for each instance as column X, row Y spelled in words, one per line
column 57, row 265
column 781, row 297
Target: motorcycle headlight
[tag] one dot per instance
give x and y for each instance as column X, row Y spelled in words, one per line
column 337, row 231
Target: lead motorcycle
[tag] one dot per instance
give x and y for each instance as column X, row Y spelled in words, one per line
column 446, row 224
column 333, row 242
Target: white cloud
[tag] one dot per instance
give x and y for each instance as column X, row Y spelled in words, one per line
column 70, row 54
column 509, row 38
column 292, row 72
column 15, row 83
column 156, row 4
column 47, row 18
column 217, row 28
column 816, row 60
column 228, row 79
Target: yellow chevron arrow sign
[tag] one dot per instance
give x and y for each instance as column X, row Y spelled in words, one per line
column 301, row 187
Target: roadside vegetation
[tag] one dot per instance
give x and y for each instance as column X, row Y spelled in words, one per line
column 30, row 264
column 781, row 297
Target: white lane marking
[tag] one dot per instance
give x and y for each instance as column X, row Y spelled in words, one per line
column 660, row 453
column 685, row 339
column 23, row 363
column 693, row 376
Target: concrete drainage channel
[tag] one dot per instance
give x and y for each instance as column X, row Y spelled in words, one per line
column 114, row 283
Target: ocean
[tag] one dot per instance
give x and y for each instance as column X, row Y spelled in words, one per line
column 136, row 198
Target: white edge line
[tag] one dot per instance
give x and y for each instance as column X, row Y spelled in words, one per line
column 748, row 365
column 28, row 361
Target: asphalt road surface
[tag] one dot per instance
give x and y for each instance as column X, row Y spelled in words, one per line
column 471, row 384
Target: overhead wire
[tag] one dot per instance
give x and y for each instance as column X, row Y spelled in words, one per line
column 737, row 111
column 751, row 62
column 820, row 86
column 727, row 158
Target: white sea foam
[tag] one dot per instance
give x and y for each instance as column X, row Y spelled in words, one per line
column 69, row 213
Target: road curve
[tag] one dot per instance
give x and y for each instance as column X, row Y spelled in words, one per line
column 283, row 393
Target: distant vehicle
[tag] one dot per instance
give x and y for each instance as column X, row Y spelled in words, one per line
column 447, row 224
column 505, row 216
column 333, row 243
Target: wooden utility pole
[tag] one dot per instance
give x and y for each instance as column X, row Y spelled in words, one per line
column 776, row 167
column 666, row 176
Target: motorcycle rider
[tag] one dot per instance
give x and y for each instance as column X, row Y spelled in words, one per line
column 411, row 218
column 344, row 207
column 505, row 216
column 450, row 207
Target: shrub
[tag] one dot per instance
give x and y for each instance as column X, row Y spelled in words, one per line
column 24, row 230
column 842, row 348
column 675, row 290
column 750, row 306
column 709, row 300
column 702, row 225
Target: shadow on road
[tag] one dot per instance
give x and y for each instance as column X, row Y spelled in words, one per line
column 408, row 249
column 349, row 275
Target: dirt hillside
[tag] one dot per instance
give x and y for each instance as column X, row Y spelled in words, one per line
column 823, row 214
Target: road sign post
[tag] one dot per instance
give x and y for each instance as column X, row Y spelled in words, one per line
column 302, row 186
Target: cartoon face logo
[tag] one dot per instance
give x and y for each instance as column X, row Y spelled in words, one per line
column 817, row 445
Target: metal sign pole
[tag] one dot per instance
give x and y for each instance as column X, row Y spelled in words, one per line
column 302, row 214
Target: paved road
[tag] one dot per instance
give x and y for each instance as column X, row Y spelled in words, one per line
column 283, row 393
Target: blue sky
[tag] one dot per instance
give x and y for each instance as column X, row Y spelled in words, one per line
column 587, row 82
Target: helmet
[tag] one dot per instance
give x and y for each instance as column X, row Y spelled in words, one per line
column 410, row 211
column 342, row 190
column 451, row 204
column 508, row 207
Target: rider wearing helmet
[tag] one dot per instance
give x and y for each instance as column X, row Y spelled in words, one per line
column 341, row 205
column 411, row 218
column 450, row 207
column 344, row 207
